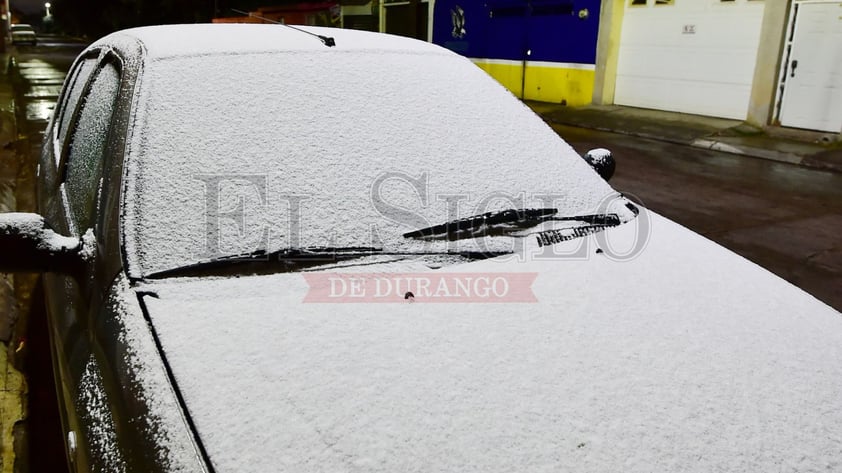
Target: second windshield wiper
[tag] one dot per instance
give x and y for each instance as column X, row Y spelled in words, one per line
column 503, row 222
column 290, row 259
column 301, row 259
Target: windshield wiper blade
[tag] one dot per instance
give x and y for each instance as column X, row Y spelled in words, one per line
column 479, row 225
column 303, row 259
column 504, row 222
column 289, row 259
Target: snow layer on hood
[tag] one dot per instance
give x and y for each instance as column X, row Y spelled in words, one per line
column 153, row 406
column 685, row 358
column 324, row 126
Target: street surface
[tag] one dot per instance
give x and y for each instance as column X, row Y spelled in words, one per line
column 785, row 218
column 38, row 78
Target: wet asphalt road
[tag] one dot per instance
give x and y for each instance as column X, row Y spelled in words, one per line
column 40, row 72
column 785, row 218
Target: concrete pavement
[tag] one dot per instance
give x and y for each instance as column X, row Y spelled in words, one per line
column 12, row 383
column 806, row 148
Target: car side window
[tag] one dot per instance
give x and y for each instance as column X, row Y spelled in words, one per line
column 75, row 87
column 85, row 152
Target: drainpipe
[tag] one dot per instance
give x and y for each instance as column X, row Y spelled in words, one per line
column 6, row 27
column 526, row 51
column 431, row 10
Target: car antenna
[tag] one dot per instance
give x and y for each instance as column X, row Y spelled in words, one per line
column 326, row 40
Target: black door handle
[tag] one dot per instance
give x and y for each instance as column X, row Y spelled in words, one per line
column 794, row 66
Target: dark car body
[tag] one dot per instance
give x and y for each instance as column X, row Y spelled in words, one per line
column 93, row 356
column 23, row 34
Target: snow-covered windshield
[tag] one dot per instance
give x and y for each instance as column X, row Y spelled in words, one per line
column 331, row 148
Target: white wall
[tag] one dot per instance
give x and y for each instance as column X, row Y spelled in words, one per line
column 707, row 73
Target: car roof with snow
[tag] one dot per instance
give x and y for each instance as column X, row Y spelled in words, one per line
column 203, row 39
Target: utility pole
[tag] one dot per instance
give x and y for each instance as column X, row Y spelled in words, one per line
column 5, row 27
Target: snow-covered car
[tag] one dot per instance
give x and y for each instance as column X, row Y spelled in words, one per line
column 270, row 249
column 23, row 34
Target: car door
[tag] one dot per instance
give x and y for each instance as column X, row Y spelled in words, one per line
column 72, row 300
column 56, row 134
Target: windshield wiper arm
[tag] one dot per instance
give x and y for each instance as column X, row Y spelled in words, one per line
column 608, row 220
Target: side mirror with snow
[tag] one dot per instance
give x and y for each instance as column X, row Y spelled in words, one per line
column 602, row 161
column 27, row 244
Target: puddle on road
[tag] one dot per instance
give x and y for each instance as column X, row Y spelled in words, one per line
column 43, row 86
column 43, row 91
column 40, row 110
column 39, row 72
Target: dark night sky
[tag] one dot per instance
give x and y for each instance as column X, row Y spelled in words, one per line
column 27, row 6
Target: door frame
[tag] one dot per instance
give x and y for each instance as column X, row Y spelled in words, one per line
column 384, row 4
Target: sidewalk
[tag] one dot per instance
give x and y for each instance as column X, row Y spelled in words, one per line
column 806, row 148
column 12, row 384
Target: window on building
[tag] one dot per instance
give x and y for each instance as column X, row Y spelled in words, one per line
column 638, row 2
column 553, row 9
column 508, row 11
column 664, row 2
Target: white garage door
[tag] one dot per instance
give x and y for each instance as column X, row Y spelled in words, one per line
column 691, row 56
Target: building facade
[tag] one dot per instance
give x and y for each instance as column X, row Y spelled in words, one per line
column 539, row 49
column 768, row 62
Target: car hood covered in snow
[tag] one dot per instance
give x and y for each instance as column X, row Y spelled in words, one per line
column 684, row 358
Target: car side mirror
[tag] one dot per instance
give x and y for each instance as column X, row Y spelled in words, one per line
column 28, row 244
column 602, row 161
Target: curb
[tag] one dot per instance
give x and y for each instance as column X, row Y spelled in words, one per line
column 12, row 382
column 762, row 153
column 715, row 145
column 647, row 136
column 8, row 154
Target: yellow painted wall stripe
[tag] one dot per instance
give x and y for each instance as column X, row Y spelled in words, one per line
column 570, row 85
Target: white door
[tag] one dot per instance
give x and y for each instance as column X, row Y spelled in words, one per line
column 813, row 83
